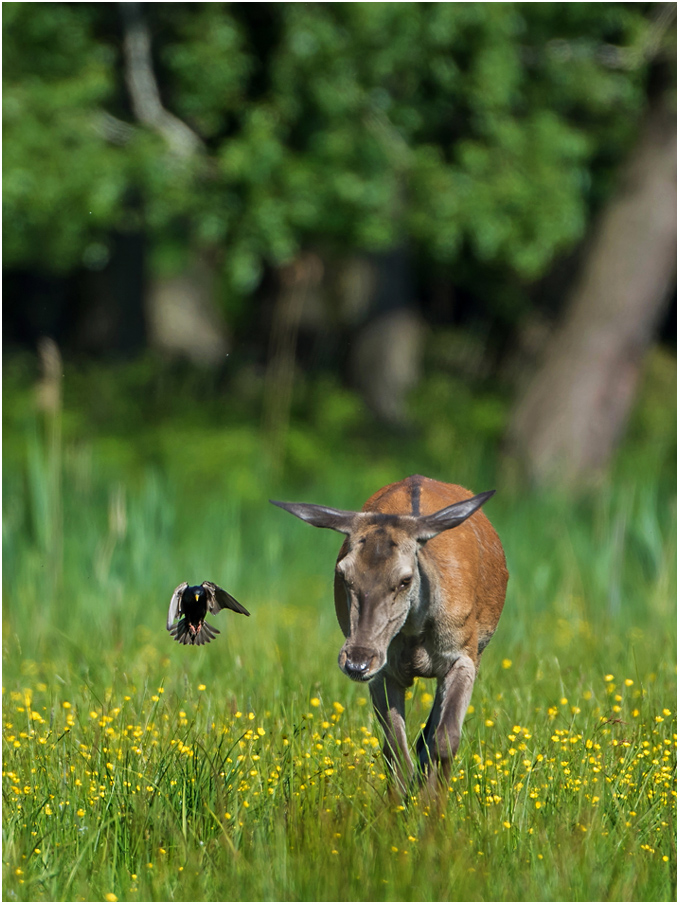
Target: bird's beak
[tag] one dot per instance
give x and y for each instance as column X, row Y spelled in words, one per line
column 196, row 596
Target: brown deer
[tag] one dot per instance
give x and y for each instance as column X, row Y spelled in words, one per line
column 415, row 598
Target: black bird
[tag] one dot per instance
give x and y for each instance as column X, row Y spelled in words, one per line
column 192, row 604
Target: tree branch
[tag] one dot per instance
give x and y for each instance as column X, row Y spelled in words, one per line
column 112, row 129
column 649, row 47
column 143, row 88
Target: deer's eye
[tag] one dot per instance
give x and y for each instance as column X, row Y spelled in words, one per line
column 405, row 582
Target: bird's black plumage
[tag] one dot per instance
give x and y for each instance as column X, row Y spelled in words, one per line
column 192, row 604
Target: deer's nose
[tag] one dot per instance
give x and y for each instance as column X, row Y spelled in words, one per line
column 356, row 670
column 357, row 664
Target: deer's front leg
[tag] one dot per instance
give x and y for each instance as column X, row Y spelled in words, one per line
column 446, row 720
column 389, row 703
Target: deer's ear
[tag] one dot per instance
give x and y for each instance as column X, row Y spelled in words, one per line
column 429, row 526
column 320, row 516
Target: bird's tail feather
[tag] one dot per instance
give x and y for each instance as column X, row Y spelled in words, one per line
column 180, row 632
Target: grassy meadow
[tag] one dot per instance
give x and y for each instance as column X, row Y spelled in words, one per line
column 250, row 768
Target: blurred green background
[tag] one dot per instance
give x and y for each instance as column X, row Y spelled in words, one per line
column 299, row 211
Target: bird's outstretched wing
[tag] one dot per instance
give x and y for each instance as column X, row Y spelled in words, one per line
column 219, row 600
column 176, row 604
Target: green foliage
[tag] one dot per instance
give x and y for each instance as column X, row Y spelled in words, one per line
column 206, row 54
column 470, row 128
column 62, row 184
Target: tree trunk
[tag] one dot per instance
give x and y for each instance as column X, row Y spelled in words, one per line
column 183, row 318
column 386, row 355
column 568, row 423
column 386, row 362
column 298, row 281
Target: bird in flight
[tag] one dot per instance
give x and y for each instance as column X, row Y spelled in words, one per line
column 192, row 604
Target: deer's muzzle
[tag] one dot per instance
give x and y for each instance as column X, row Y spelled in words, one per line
column 360, row 663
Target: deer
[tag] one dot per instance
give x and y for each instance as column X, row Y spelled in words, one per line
column 420, row 583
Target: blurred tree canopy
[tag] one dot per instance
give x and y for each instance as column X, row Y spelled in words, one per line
column 481, row 133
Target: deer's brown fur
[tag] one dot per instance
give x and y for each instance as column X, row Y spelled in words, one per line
column 419, row 588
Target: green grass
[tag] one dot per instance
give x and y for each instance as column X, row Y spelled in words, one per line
column 255, row 773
